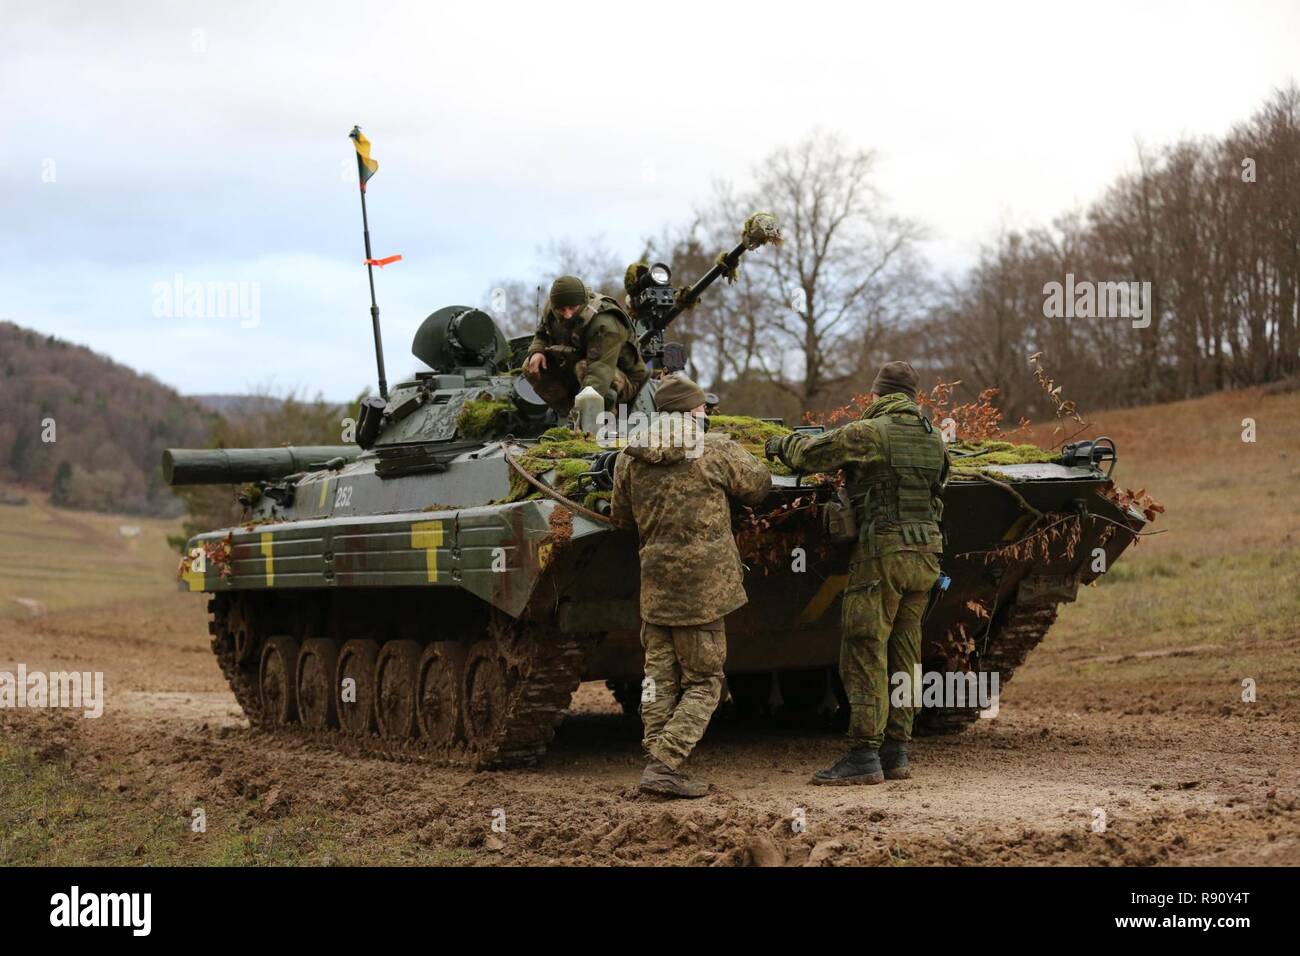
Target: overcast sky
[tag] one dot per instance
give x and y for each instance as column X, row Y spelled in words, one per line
column 208, row 141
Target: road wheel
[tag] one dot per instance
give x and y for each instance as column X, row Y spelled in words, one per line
column 277, row 680
column 354, row 686
column 243, row 634
column 486, row 696
column 395, row 689
column 438, row 683
column 317, row 664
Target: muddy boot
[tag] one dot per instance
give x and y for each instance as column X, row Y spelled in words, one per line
column 893, row 757
column 860, row 765
column 661, row 780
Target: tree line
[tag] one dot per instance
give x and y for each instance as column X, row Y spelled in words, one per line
column 1197, row 248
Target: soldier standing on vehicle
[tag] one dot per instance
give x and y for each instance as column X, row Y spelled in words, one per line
column 672, row 483
column 895, row 469
column 584, row 340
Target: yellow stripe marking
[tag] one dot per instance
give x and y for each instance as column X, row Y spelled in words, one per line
column 193, row 579
column 427, row 536
column 270, row 559
column 324, row 487
column 1018, row 527
column 824, row 598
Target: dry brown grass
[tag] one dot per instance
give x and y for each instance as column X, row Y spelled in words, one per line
column 76, row 559
column 1225, row 572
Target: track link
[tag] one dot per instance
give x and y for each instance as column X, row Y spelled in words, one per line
column 1023, row 627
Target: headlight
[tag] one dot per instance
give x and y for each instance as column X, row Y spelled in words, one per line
column 659, row 274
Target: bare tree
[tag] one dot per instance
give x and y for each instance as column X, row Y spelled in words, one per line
column 841, row 284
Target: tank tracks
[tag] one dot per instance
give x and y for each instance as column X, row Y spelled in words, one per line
column 1023, row 627
column 492, row 703
column 506, row 694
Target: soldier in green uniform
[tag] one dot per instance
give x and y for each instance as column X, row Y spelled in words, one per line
column 895, row 469
column 584, row 339
column 672, row 483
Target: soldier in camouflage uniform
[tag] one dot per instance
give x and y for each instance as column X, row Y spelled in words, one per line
column 895, row 469
column 584, row 339
column 672, row 483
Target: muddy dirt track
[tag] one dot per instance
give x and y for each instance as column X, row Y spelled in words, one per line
column 1194, row 783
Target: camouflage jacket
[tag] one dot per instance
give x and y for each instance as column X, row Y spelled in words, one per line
column 856, row 448
column 602, row 334
column 672, row 484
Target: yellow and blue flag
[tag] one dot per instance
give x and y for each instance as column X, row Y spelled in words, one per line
column 366, row 166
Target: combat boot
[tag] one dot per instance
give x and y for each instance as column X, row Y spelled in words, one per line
column 660, row 779
column 893, row 758
column 860, row 765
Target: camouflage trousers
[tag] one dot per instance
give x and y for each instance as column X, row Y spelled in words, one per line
column 560, row 381
column 683, row 669
column 881, row 635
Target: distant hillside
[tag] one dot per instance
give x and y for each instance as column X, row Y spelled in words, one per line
column 238, row 404
column 108, row 425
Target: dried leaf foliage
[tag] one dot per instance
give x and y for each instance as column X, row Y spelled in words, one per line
column 1128, row 498
column 216, row 553
column 766, row 540
column 979, row 420
column 1062, row 408
column 1059, row 537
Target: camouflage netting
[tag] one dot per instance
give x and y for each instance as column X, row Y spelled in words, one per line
column 751, row 433
column 994, row 453
column 569, row 454
column 481, row 418
column 760, row 229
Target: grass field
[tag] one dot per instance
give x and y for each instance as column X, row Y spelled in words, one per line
column 1215, row 597
column 75, row 559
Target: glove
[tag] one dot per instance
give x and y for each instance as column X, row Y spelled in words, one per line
column 772, row 447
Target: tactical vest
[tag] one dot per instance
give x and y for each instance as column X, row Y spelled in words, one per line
column 574, row 331
column 597, row 304
column 900, row 490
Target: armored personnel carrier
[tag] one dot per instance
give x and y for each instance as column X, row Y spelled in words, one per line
column 441, row 586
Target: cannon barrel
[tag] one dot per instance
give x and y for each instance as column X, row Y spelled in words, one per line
column 229, row 466
column 760, row 229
